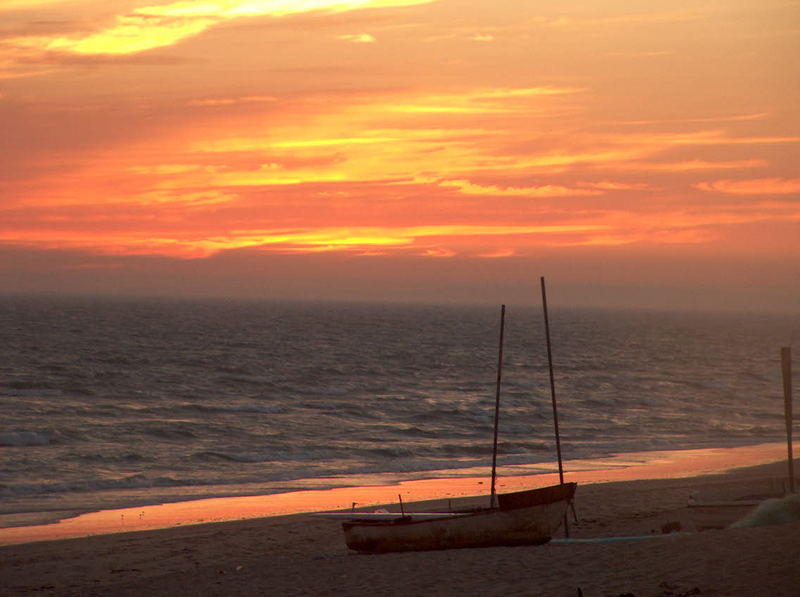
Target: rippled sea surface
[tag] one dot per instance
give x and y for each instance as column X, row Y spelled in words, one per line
column 124, row 402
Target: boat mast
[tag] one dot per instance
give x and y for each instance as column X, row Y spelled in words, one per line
column 497, row 404
column 552, row 383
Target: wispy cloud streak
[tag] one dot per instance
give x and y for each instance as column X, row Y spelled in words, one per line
column 158, row 26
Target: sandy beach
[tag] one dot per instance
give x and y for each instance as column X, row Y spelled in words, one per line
column 304, row 555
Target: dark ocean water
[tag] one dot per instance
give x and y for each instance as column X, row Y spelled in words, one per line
column 107, row 403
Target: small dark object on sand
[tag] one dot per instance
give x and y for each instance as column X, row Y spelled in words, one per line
column 671, row 590
column 670, row 527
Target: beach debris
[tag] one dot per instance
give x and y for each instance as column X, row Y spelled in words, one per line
column 671, row 527
column 668, row 590
column 717, row 509
column 672, row 590
column 785, row 510
column 565, row 540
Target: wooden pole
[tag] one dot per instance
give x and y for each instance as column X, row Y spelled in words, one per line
column 786, row 366
column 497, row 404
column 552, row 382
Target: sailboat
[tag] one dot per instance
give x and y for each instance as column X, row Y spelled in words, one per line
column 528, row 517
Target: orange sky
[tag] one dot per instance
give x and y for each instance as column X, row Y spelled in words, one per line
column 639, row 153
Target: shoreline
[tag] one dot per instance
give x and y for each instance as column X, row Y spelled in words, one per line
column 635, row 466
column 300, row 555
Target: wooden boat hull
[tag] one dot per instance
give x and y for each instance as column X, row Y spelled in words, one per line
column 522, row 518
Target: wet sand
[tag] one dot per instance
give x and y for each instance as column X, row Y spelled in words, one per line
column 621, row 467
column 303, row 555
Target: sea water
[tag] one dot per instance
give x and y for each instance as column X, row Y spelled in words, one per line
column 121, row 402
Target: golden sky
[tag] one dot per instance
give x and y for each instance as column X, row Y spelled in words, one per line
column 436, row 149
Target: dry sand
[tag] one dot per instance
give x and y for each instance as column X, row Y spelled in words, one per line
column 303, row 555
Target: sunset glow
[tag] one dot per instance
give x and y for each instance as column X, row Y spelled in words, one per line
column 579, row 138
column 163, row 25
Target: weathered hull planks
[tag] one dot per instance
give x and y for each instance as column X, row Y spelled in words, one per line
column 523, row 518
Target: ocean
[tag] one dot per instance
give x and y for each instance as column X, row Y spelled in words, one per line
column 108, row 403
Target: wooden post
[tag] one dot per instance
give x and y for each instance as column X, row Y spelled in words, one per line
column 497, row 405
column 786, row 366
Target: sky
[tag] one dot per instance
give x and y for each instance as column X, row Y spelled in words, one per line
column 636, row 153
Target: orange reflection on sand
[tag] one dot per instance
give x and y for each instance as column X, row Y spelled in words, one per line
column 621, row 467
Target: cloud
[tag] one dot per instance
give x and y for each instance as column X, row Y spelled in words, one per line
column 690, row 165
column 594, row 23
column 608, row 185
column 439, row 253
column 758, row 186
column 230, row 101
column 358, row 38
column 129, row 35
column 158, row 26
column 719, row 118
column 10, row 5
column 468, row 188
column 651, row 54
column 497, row 254
column 503, row 100
column 360, row 239
column 688, row 236
column 705, row 137
column 348, row 173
